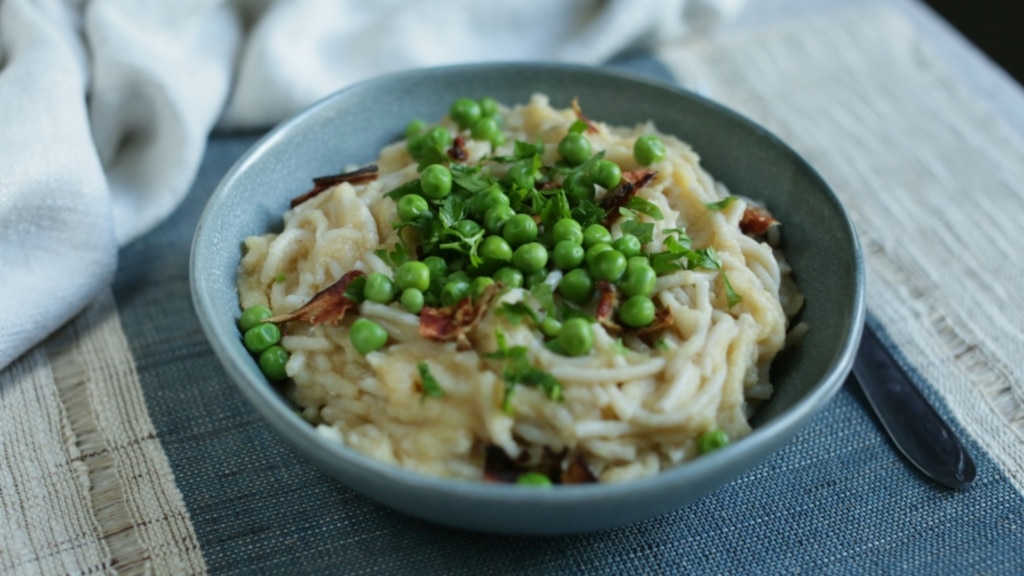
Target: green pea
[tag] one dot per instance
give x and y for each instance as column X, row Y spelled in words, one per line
column 436, row 181
column 488, row 107
column 641, row 259
column 712, row 440
column 367, row 336
column 596, row 234
column 639, row 279
column 637, row 311
column 416, row 144
column 520, row 229
column 648, row 149
column 521, row 175
column 550, row 327
column 567, row 229
column 260, row 337
column 606, row 174
column 574, row 148
column 480, row 203
column 495, row 248
column 464, row 112
column 534, row 479
column 272, row 362
column 530, row 257
column 567, row 255
column 509, row 277
column 485, row 129
column 576, row 337
column 252, row 317
column 413, row 300
column 608, row 265
column 454, row 291
column 437, row 137
column 412, row 274
column 412, row 206
column 497, row 139
column 578, row 188
column 479, row 285
column 379, row 288
column 414, row 128
column 577, row 286
column 459, row 276
column 437, row 266
column 628, row 244
column 532, row 279
column 496, row 217
column 596, row 249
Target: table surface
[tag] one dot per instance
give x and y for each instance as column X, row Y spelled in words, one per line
column 169, row 470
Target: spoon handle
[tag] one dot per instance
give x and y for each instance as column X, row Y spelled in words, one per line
column 912, row 423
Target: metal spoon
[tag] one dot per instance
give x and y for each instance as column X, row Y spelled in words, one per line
column 912, row 423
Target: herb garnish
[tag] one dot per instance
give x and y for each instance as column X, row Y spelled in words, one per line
column 430, row 385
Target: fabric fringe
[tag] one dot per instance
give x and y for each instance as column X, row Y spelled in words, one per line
column 85, row 485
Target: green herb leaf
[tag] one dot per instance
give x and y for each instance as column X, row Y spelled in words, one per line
column 644, row 231
column 706, row 258
column 665, row 263
column 516, row 312
column 730, row 294
column 587, row 212
column 578, row 127
column 452, row 209
column 430, row 385
column 721, row 204
column 556, row 208
column 661, row 344
column 645, row 206
column 410, row 187
column 470, row 178
column 432, row 154
column 398, row 256
column 544, row 296
column 280, row 278
column 519, row 371
column 354, row 290
column 567, row 311
column 675, row 246
column 523, row 150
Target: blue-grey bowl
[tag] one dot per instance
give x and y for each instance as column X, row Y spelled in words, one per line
column 351, row 126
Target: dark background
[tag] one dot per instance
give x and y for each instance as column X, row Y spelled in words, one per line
column 995, row 26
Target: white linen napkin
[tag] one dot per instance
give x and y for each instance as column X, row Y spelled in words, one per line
column 105, row 106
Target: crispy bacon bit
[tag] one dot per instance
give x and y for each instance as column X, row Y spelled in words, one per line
column 577, row 472
column 364, row 174
column 619, row 196
column 458, row 151
column 591, row 129
column 454, row 322
column 607, row 301
column 327, row 306
column 499, row 468
column 756, row 221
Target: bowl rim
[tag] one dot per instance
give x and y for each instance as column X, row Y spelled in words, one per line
column 302, row 436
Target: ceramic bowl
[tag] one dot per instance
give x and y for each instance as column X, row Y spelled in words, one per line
column 352, row 125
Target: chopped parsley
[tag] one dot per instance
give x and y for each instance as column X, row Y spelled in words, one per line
column 429, row 383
